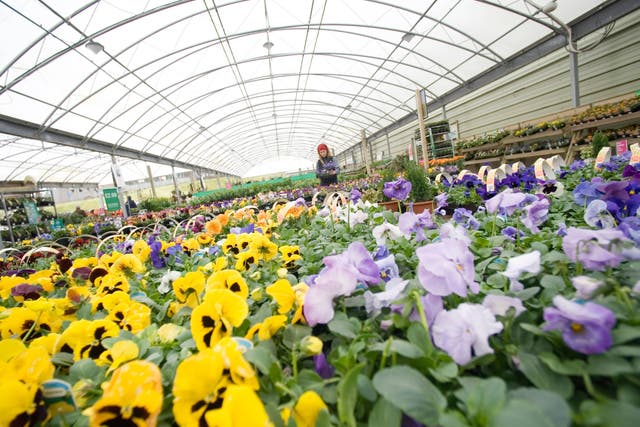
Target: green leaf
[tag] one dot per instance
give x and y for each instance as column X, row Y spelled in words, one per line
column 323, row 419
column 347, row 396
column 453, row 419
column 343, row 327
column 261, row 358
column 625, row 333
column 533, row 408
column 483, row 398
column 610, row 414
column 543, row 377
column 365, row 388
column 549, row 281
column 384, row 414
column 417, row 335
column 410, row 391
column 84, row 368
column 497, row 281
column 293, row 334
column 625, row 350
column 564, row 367
column 608, row 366
column 445, row 372
column 541, row 247
column 534, row 329
column 553, row 257
column 528, row 293
column 401, row 347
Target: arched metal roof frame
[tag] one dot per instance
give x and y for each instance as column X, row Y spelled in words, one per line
column 190, row 79
column 183, row 129
column 243, row 34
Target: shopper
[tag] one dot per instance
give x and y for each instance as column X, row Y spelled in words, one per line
column 129, row 205
column 327, row 168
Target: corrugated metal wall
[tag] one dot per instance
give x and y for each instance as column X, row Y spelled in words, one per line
column 540, row 89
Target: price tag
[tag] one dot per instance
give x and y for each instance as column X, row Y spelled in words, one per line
column 482, row 172
column 493, row 176
column 517, row 166
column 462, row 173
column 603, row 156
column 556, row 162
column 506, row 169
column 444, row 175
column 57, row 395
column 635, row 154
column 542, row 170
column 621, row 147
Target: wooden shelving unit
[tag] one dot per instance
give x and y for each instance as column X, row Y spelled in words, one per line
column 563, row 141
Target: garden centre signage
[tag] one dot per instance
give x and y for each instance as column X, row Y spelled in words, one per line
column 621, row 147
column 32, row 211
column 111, row 199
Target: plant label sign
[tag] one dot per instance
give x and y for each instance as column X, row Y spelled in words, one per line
column 635, row 154
column 603, row 156
column 111, row 199
column 621, row 147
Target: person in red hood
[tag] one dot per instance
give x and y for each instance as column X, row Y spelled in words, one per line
column 327, row 168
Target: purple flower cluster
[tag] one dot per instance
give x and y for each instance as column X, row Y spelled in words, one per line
column 340, row 277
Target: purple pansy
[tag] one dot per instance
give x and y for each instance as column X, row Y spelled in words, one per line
column 398, row 189
column 505, row 202
column 595, row 249
column 586, row 192
column 586, row 328
column 322, row 367
column 359, row 260
column 535, row 214
column 446, row 267
column 339, row 280
column 597, row 215
column 630, row 226
column 464, row 331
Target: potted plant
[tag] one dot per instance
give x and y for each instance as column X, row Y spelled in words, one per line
column 421, row 188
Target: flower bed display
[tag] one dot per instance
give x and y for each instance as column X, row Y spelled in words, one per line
column 522, row 311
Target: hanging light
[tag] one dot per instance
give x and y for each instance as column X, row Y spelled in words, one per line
column 267, row 45
column 550, row 7
column 94, row 47
column 407, row 37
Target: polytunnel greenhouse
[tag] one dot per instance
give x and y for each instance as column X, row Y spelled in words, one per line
column 320, row 213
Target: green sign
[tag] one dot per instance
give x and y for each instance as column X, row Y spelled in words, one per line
column 111, row 199
column 32, row 211
column 57, row 224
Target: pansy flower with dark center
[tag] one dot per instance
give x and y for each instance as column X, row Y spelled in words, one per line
column 111, row 283
column 245, row 259
column 188, row 288
column 264, row 247
column 215, row 318
column 83, row 338
column 199, row 387
column 132, row 398
column 228, row 279
column 24, row 322
column 26, row 291
column 21, row 378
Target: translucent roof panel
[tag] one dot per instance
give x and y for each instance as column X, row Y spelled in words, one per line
column 232, row 85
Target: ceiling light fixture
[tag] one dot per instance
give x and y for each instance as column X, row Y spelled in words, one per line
column 550, row 7
column 407, row 37
column 94, row 47
column 267, row 45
